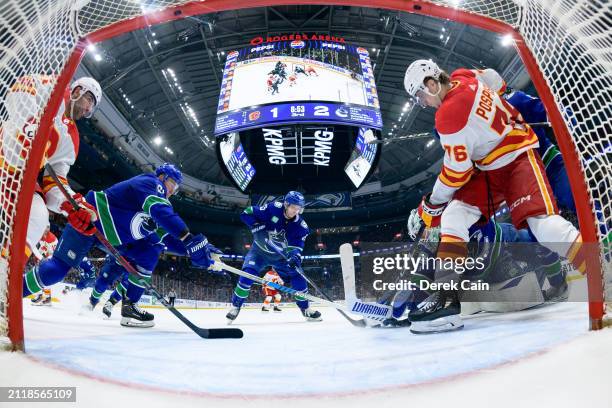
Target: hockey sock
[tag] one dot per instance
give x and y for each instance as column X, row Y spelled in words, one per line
column 135, row 289
column 301, row 302
column 452, row 247
column 115, row 296
column 299, row 283
column 48, row 273
column 95, row 296
column 267, row 301
column 577, row 255
column 241, row 293
column 100, row 287
column 277, row 299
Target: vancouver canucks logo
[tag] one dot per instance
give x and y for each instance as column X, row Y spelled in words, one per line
column 481, row 244
column 278, row 238
column 142, row 225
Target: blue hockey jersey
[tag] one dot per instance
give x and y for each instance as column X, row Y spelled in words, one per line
column 532, row 110
column 283, row 233
column 134, row 209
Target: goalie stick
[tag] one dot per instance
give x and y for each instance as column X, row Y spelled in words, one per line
column 347, row 263
column 354, row 322
column 369, row 310
column 205, row 333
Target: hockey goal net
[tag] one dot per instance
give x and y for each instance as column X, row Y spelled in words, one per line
column 566, row 46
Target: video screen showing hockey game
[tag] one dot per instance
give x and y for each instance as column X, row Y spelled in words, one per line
column 236, row 162
column 297, row 81
column 363, row 157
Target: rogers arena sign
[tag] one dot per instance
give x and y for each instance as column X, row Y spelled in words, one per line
column 296, row 37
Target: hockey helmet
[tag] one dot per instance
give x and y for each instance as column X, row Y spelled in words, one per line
column 416, row 74
column 295, row 198
column 169, row 170
column 88, row 84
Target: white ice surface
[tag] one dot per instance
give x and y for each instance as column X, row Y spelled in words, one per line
column 542, row 357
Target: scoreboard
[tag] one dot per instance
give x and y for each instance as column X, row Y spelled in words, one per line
column 295, row 115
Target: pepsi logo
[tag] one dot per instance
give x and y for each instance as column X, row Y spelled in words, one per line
column 297, row 44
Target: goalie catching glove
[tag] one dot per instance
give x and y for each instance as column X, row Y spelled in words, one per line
column 200, row 250
column 81, row 218
column 431, row 214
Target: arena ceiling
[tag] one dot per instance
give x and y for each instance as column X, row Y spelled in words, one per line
column 132, row 70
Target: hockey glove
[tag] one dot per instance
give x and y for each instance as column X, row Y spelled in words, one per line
column 214, row 254
column 294, row 258
column 414, row 224
column 431, row 214
column 196, row 246
column 81, row 219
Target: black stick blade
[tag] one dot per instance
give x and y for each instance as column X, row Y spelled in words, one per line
column 220, row 333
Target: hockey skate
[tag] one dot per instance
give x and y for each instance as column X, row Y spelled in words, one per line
column 43, row 298
column 277, row 309
column 108, row 307
column 393, row 322
column 45, row 302
column 232, row 314
column 556, row 293
column 133, row 316
column 38, row 299
column 264, row 309
column 311, row 315
column 434, row 316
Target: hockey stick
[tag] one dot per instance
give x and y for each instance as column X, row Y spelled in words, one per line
column 347, row 263
column 386, row 296
column 223, row 333
column 375, row 312
column 299, row 270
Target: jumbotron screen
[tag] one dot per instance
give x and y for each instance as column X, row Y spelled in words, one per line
column 363, row 157
column 236, row 162
column 297, row 81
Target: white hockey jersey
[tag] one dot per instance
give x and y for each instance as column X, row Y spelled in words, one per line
column 20, row 125
column 478, row 129
column 272, row 276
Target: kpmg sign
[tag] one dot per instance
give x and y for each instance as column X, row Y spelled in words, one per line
column 307, row 145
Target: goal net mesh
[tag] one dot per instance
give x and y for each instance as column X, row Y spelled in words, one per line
column 570, row 40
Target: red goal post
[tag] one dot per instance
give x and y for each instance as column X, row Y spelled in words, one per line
column 565, row 46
